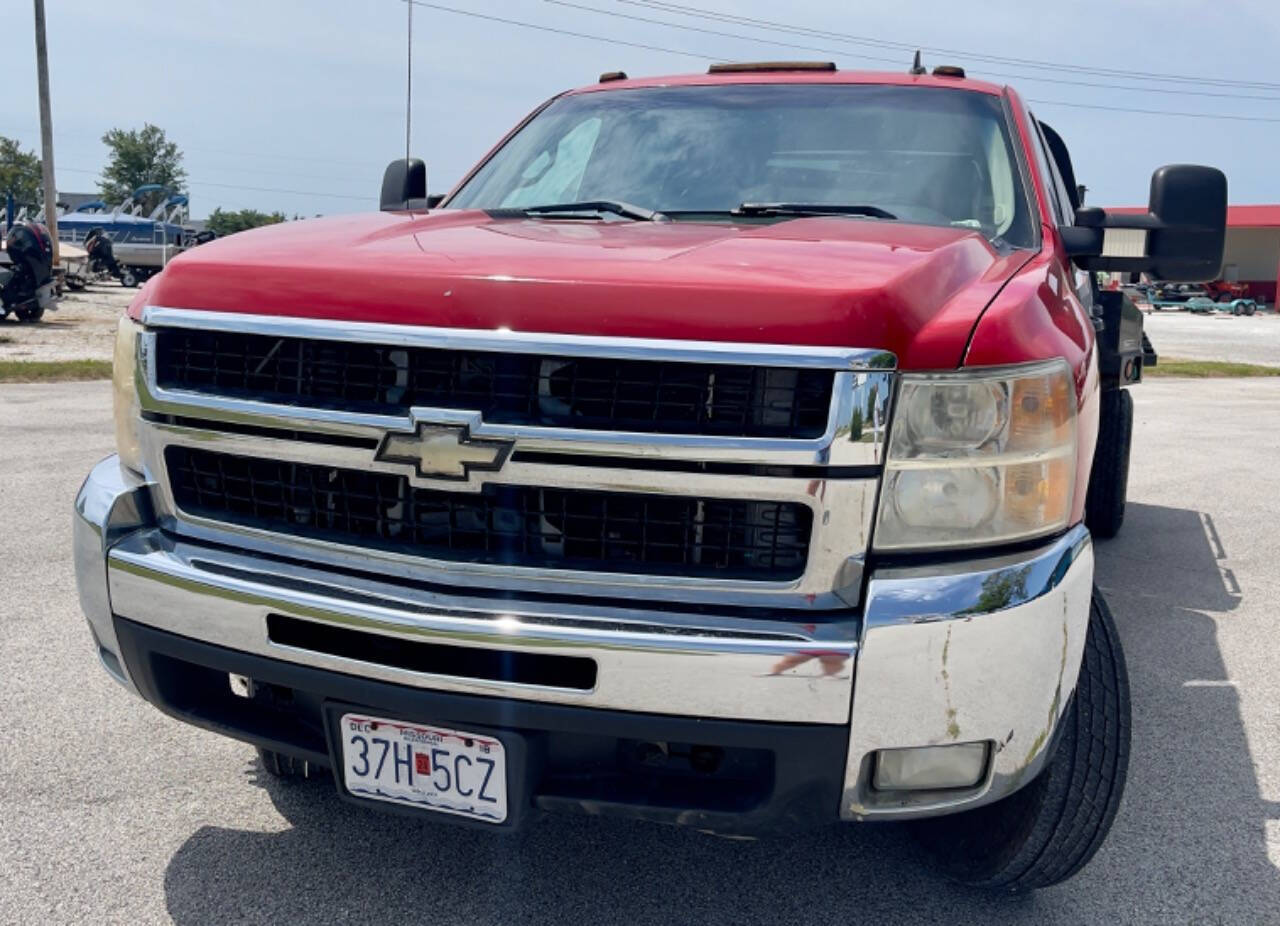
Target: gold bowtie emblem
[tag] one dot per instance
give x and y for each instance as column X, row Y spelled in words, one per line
column 443, row 451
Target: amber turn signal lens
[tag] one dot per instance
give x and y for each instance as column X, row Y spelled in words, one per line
column 1041, row 412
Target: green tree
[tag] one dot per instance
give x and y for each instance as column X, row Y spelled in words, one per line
column 139, row 157
column 227, row 223
column 19, row 172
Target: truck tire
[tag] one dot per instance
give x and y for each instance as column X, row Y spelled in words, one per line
column 30, row 313
column 287, row 768
column 1109, row 481
column 1046, row 832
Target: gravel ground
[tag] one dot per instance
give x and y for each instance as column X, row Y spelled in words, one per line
column 1245, row 339
column 82, row 328
column 111, row 812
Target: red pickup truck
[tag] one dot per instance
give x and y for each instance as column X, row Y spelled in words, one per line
column 717, row 452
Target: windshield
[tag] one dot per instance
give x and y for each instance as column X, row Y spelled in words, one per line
column 925, row 155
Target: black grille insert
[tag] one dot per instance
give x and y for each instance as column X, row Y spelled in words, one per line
column 511, row 525
column 647, row 396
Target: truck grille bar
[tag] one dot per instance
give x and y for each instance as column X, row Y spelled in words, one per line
column 644, row 396
column 508, row 524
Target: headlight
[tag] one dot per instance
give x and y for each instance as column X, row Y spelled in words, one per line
column 979, row 457
column 125, row 393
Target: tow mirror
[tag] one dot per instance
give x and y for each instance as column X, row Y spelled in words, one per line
column 404, row 185
column 1183, row 229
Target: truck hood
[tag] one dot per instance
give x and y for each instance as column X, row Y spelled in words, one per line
column 850, row 282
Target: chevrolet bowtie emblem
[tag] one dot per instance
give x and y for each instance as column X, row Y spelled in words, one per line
column 443, row 451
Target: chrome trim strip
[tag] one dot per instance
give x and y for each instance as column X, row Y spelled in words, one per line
column 986, row 650
column 565, row 345
column 685, row 664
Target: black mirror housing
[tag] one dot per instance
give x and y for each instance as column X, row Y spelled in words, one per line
column 1185, row 225
column 1191, row 203
column 404, row 185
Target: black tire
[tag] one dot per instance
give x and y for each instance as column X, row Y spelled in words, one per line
column 1250, row 308
column 30, row 313
column 128, row 277
column 1109, row 481
column 288, row 768
column 1049, row 830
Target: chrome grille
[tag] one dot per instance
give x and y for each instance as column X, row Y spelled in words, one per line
column 273, row 439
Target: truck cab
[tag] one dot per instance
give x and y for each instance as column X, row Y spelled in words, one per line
column 716, row 452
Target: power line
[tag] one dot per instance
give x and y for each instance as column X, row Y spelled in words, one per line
column 702, row 13
column 234, row 186
column 204, row 150
column 611, row 41
column 569, row 32
column 1153, row 112
column 844, row 52
column 728, row 35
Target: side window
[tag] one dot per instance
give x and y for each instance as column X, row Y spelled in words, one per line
column 1041, row 165
column 1063, row 209
column 1067, row 212
column 554, row 176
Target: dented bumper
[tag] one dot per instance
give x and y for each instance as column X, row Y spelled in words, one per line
column 983, row 651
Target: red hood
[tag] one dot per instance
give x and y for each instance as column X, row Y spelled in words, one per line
column 911, row 289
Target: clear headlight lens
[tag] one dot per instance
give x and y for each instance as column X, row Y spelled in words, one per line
column 124, row 393
column 979, row 457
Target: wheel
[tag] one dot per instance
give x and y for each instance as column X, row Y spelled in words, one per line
column 287, row 768
column 1237, row 309
column 128, row 277
column 1250, row 308
column 1109, row 481
column 29, row 313
column 1046, row 832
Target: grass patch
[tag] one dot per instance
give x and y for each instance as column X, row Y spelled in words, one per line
column 53, row 371
column 1204, row 369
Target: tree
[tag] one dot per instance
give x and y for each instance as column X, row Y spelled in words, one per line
column 19, row 173
column 227, row 223
column 137, row 158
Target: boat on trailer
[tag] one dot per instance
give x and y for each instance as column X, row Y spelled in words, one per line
column 142, row 245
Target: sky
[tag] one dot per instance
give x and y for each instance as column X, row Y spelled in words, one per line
column 298, row 105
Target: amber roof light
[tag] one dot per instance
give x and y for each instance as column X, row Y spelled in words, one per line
column 747, row 67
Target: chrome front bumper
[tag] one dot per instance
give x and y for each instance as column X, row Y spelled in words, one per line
column 981, row 651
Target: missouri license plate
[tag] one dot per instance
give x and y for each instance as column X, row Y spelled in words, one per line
column 448, row 771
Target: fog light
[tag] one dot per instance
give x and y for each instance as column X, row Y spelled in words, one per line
column 928, row 767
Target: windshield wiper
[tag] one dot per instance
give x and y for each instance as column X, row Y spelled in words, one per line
column 611, row 206
column 803, row 209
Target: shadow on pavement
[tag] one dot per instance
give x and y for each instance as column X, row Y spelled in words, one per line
column 1189, row 842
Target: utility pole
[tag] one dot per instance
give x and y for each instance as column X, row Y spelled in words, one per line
column 46, row 132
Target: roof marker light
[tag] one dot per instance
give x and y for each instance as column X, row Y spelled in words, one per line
column 746, row 67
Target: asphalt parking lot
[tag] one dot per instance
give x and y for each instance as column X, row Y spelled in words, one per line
column 110, row 812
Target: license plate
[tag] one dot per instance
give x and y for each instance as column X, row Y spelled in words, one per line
column 447, row 771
